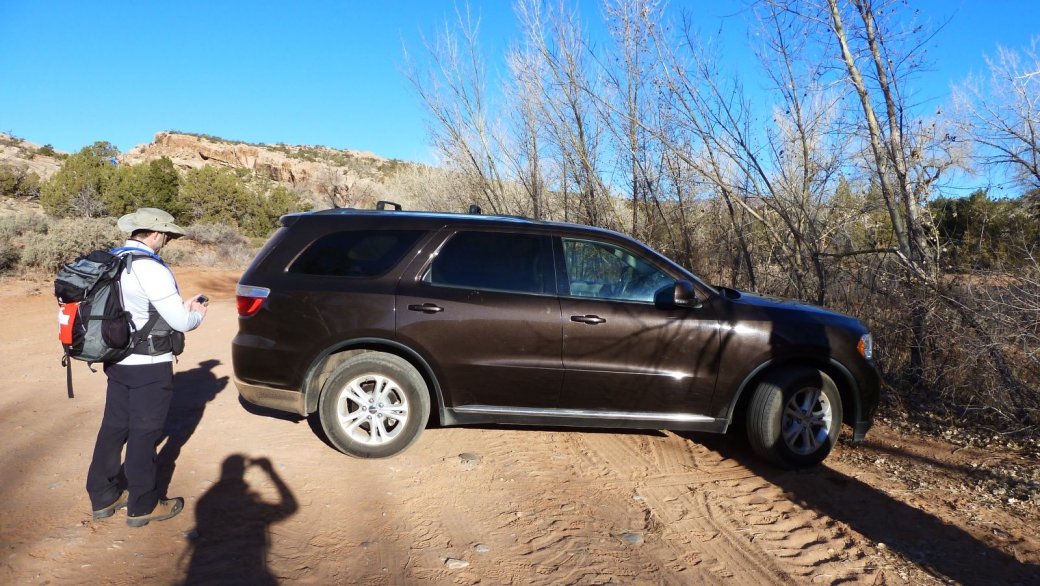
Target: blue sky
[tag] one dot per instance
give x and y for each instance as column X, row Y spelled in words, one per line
column 311, row 73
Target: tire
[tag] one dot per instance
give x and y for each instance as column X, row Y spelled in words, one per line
column 374, row 405
column 794, row 417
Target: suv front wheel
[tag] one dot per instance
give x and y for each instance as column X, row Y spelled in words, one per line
column 374, row 405
column 795, row 417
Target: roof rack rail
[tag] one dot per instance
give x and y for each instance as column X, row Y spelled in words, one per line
column 474, row 209
column 381, row 205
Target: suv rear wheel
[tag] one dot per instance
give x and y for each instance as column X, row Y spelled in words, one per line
column 374, row 405
column 794, row 417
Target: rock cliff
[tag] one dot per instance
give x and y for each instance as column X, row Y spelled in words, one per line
column 322, row 175
column 25, row 155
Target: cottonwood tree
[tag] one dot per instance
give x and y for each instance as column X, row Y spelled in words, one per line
column 554, row 33
column 453, row 90
column 1000, row 112
column 880, row 54
column 524, row 149
column 881, row 49
column 628, row 104
column 774, row 169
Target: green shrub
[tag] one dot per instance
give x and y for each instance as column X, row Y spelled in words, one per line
column 9, row 177
column 9, row 256
column 79, row 187
column 147, row 185
column 19, row 224
column 18, row 182
column 7, row 139
column 68, row 239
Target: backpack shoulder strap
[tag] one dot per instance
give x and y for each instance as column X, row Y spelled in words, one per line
column 128, row 253
column 142, row 334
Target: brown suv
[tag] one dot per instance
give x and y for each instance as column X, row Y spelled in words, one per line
column 373, row 318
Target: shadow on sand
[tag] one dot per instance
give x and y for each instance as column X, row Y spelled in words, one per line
column 231, row 539
column 194, row 389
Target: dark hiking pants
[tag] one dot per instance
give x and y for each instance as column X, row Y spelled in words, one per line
column 135, row 409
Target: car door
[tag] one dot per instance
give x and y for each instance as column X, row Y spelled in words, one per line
column 483, row 311
column 622, row 353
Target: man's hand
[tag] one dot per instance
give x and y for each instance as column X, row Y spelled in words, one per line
column 197, row 304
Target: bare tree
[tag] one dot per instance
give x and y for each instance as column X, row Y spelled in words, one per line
column 87, row 202
column 1001, row 114
column 627, row 106
column 525, row 154
column 454, row 92
column 879, row 56
column 557, row 38
column 780, row 178
column 329, row 182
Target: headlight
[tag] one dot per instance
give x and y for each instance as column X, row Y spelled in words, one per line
column 866, row 346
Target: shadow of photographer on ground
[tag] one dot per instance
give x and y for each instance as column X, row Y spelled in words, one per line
column 194, row 389
column 231, row 539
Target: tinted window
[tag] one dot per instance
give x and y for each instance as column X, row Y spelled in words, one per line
column 359, row 253
column 493, row 261
column 606, row 271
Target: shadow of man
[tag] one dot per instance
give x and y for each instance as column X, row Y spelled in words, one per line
column 231, row 524
column 193, row 390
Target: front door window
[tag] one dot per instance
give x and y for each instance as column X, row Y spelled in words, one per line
column 604, row 271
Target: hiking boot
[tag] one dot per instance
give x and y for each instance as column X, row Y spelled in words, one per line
column 112, row 508
column 164, row 510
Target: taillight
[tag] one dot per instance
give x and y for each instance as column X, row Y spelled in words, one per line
column 250, row 299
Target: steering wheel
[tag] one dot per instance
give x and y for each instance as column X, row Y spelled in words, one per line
column 628, row 278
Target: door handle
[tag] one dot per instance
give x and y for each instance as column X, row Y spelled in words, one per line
column 588, row 319
column 426, row 308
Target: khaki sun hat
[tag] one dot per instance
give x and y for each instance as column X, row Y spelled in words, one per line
column 152, row 219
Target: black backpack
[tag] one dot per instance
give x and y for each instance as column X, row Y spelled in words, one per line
column 93, row 325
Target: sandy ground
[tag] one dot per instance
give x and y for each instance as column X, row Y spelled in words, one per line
column 268, row 501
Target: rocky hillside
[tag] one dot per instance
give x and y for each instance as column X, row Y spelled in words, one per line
column 323, row 175
column 30, row 157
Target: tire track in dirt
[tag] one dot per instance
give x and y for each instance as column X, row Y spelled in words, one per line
column 697, row 546
column 714, row 513
column 531, row 534
column 800, row 541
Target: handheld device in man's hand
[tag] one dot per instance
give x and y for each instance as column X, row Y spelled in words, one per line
column 203, row 299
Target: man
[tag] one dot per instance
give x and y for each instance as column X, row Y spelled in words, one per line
column 140, row 386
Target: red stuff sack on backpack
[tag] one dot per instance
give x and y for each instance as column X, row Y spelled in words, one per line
column 66, row 319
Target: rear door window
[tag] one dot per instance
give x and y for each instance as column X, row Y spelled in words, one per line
column 495, row 261
column 356, row 253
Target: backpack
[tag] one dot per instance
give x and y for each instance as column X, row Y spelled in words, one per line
column 93, row 325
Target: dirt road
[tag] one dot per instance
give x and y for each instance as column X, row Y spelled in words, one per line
column 269, row 502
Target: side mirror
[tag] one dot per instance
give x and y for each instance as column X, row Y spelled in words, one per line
column 681, row 294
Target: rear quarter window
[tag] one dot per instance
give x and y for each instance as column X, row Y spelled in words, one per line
column 355, row 253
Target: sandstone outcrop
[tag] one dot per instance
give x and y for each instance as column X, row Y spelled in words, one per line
column 22, row 154
column 323, row 175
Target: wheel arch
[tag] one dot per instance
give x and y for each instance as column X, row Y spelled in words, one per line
column 325, row 364
column 848, row 390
